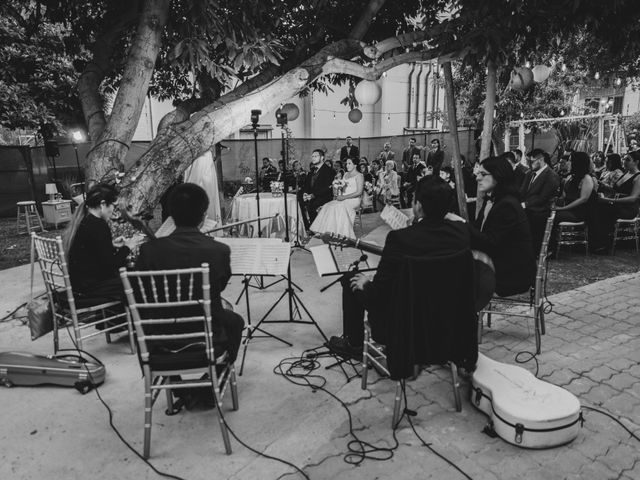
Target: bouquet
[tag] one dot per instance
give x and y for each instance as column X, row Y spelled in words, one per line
column 338, row 186
column 368, row 188
column 277, row 188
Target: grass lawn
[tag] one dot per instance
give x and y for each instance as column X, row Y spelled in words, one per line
column 573, row 269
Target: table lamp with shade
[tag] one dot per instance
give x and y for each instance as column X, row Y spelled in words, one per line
column 51, row 190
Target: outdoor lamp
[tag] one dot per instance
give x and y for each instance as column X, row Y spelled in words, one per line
column 51, row 190
column 77, row 136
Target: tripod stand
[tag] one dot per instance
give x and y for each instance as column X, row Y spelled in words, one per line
column 294, row 301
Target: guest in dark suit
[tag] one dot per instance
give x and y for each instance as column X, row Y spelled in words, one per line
column 408, row 153
column 432, row 235
column 519, row 170
column 350, row 151
column 538, row 191
column 187, row 247
column 501, row 229
column 435, row 157
column 317, row 187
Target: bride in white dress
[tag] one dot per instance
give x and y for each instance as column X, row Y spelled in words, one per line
column 338, row 215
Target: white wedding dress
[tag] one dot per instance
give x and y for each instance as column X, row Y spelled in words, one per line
column 338, row 216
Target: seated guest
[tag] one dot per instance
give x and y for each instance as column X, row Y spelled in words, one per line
column 94, row 257
column 447, row 175
column 611, row 174
column 187, row 247
column 298, row 174
column 598, row 164
column 501, row 229
column 388, row 184
column 608, row 210
column 317, row 187
column 538, row 192
column 431, row 235
column 409, row 181
column 519, row 170
column 578, row 190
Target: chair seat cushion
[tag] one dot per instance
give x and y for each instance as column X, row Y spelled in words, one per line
column 571, row 224
column 163, row 358
column 630, row 221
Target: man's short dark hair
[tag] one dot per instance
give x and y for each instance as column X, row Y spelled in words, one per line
column 435, row 195
column 518, row 152
column 510, row 156
column 538, row 152
column 348, row 136
column 412, row 138
column 320, row 152
column 435, row 140
column 187, row 204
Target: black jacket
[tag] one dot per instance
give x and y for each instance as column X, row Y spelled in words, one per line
column 321, row 187
column 353, row 153
column 92, row 256
column 519, row 173
column 187, row 248
column 539, row 195
column 506, row 238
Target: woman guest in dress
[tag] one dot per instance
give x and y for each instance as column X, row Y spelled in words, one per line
column 94, row 257
column 625, row 206
column 611, row 174
column 338, row 215
column 501, row 229
column 388, row 184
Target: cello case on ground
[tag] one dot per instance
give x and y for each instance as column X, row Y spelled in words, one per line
column 524, row 410
column 18, row 368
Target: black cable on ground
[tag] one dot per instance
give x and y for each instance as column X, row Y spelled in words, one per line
column 602, row 412
column 410, row 413
column 297, row 370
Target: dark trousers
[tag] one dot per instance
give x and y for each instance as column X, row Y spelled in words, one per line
column 233, row 325
column 537, row 223
column 353, row 308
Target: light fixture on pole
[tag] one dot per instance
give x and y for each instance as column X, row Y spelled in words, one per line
column 255, row 117
column 77, row 136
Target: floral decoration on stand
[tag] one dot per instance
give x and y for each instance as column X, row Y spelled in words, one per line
column 277, row 188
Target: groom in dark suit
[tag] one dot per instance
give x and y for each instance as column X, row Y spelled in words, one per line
column 432, row 235
column 317, row 188
column 538, row 191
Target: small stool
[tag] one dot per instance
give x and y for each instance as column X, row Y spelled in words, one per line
column 626, row 229
column 573, row 233
column 31, row 218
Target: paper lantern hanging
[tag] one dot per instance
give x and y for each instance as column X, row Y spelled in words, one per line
column 367, row 92
column 291, row 109
column 540, row 73
column 355, row 115
column 521, row 78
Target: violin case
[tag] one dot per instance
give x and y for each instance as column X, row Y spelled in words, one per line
column 524, row 410
column 18, row 368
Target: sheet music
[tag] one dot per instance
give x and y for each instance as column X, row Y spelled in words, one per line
column 332, row 260
column 258, row 256
column 394, row 217
column 169, row 226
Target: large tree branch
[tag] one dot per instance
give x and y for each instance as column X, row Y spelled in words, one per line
column 401, row 41
column 112, row 145
column 101, row 64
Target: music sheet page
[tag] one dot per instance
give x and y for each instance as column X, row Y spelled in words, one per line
column 332, row 260
column 258, row 256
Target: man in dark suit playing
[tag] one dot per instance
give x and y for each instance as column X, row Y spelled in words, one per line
column 350, row 151
column 538, row 190
column 187, row 247
column 317, row 187
column 432, row 235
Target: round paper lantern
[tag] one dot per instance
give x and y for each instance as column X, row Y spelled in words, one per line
column 521, row 78
column 355, row 115
column 540, row 73
column 291, row 109
column 367, row 92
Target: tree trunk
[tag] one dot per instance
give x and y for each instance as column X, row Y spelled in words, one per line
column 453, row 130
column 105, row 158
column 489, row 107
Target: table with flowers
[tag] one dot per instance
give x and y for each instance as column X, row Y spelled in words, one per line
column 245, row 207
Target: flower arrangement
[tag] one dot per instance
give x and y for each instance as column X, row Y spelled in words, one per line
column 338, row 186
column 368, row 188
column 277, row 188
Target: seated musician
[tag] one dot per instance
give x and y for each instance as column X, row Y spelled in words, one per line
column 501, row 229
column 187, row 247
column 431, row 235
column 94, row 257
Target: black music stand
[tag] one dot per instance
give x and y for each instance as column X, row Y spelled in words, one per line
column 294, row 301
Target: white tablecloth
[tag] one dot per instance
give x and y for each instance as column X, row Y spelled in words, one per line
column 245, row 207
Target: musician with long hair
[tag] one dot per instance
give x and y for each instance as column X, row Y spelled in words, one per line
column 501, row 229
column 92, row 254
